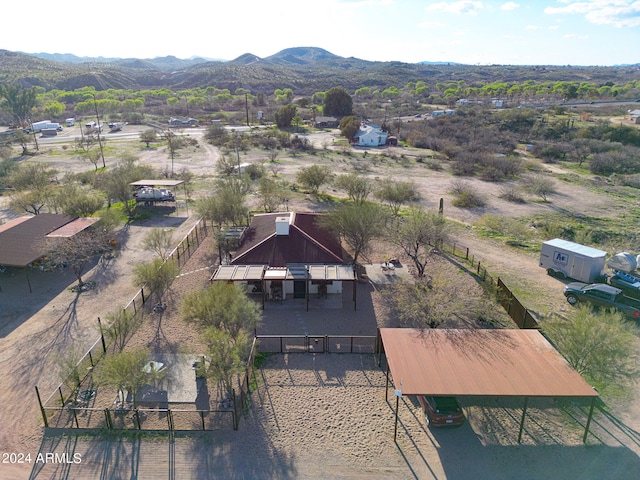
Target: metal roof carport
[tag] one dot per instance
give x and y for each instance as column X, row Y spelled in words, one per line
column 475, row 362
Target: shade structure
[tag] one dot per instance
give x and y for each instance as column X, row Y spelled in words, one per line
column 475, row 362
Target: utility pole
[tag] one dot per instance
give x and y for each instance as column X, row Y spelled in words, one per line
column 35, row 139
column 99, row 128
column 246, row 106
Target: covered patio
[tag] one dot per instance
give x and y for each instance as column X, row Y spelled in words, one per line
column 276, row 284
column 475, row 362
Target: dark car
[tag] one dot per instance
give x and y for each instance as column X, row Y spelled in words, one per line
column 441, row 411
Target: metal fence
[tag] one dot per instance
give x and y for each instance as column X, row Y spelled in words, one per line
column 143, row 419
column 518, row 313
column 66, row 393
column 514, row 308
column 182, row 253
column 316, row 344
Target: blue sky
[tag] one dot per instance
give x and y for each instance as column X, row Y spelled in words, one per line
column 560, row 32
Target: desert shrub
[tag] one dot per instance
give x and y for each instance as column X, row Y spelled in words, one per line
column 540, row 186
column 433, row 164
column 255, row 171
column 511, row 194
column 467, row 195
column 464, row 164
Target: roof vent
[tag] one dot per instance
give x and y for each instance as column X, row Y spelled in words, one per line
column 282, row 224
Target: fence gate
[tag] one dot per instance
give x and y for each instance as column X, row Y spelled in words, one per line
column 317, row 344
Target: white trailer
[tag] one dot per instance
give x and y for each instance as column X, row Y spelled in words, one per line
column 566, row 259
column 41, row 125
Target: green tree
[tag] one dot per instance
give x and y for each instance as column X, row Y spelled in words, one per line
column 18, row 102
column 226, row 205
column 148, row 136
column 313, row 177
column 349, row 126
column 156, row 276
column 601, row 346
column 124, row 371
column 160, row 240
column 121, row 325
column 72, row 199
column 358, row 224
column 33, row 187
column 358, row 188
column 272, row 194
column 337, row 102
column 54, row 109
column 116, row 182
column 396, row 193
column 222, row 306
column 285, row 115
column 227, row 356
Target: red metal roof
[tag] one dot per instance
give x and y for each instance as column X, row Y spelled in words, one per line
column 24, row 241
column 73, row 227
column 306, row 243
column 472, row 362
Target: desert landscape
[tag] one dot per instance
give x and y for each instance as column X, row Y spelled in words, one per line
column 311, row 415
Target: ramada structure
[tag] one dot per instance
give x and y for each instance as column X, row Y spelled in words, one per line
column 23, row 240
column 288, row 255
column 475, row 362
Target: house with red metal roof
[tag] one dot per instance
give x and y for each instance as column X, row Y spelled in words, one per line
column 288, row 255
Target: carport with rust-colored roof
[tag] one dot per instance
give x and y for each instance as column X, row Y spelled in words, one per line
column 474, row 362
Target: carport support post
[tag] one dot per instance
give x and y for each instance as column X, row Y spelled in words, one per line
column 524, row 412
column 395, row 429
column 586, row 429
column 386, row 386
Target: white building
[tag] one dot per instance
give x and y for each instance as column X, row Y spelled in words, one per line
column 370, row 136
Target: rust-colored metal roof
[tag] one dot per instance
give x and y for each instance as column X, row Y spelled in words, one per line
column 24, row 242
column 73, row 227
column 459, row 362
column 305, row 243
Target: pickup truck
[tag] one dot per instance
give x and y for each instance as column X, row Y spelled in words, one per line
column 602, row 296
column 629, row 284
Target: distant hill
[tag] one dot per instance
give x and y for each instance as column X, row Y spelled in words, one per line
column 161, row 63
column 246, row 59
column 304, row 69
column 301, row 56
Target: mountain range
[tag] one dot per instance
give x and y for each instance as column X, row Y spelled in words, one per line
column 303, row 69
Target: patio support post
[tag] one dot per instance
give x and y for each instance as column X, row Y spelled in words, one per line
column 306, row 286
column 524, row 412
column 355, row 285
column 586, row 429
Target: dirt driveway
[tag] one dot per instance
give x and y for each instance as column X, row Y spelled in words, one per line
column 34, row 326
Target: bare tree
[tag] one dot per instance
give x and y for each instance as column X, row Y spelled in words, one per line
column 416, row 234
column 78, row 250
